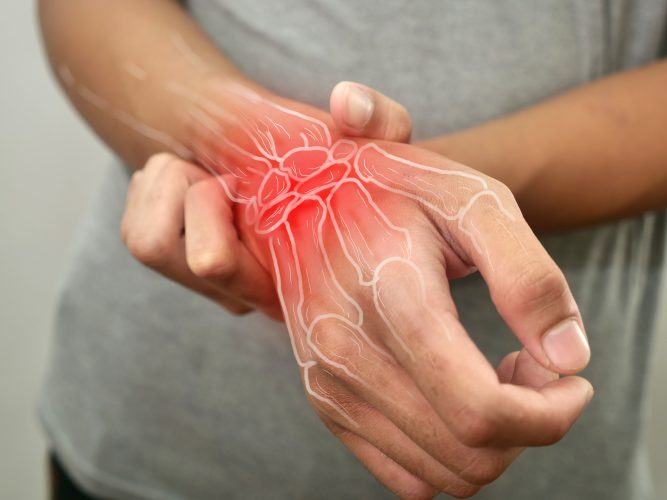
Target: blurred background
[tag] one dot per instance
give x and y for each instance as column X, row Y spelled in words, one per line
column 51, row 165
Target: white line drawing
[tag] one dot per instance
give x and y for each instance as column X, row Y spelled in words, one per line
column 122, row 116
column 293, row 180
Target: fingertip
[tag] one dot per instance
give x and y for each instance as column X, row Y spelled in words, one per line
column 529, row 372
column 590, row 392
column 505, row 369
column 571, row 393
column 567, row 347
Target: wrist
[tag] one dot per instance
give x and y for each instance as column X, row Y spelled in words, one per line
column 495, row 149
column 210, row 108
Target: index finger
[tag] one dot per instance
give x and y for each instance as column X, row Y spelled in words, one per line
column 417, row 306
column 456, row 378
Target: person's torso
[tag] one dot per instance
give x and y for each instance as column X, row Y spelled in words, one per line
column 152, row 384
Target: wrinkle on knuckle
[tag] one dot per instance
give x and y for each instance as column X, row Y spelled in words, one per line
column 329, row 397
column 333, row 347
column 347, row 355
column 538, row 287
column 473, row 426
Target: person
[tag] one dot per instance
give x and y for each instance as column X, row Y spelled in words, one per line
column 155, row 393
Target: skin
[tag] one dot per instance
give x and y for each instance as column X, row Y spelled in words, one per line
column 443, row 423
column 178, row 222
column 607, row 135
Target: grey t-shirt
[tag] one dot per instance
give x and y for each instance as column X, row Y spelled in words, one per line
column 153, row 392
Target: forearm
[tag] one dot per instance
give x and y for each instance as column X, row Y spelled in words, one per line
column 130, row 67
column 596, row 153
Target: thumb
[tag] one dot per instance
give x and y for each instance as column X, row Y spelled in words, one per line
column 360, row 111
column 528, row 289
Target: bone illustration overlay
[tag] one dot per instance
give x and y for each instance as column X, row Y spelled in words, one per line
column 355, row 233
column 327, row 215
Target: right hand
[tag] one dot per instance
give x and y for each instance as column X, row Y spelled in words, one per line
column 178, row 222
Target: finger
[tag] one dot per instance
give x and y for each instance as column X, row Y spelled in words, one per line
column 346, row 352
column 374, row 428
column 359, row 111
column 389, row 473
column 319, row 383
column 530, row 373
column 468, row 396
column 520, row 368
column 215, row 253
column 412, row 297
column 153, row 223
column 526, row 286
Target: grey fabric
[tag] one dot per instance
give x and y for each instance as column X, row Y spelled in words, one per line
column 152, row 392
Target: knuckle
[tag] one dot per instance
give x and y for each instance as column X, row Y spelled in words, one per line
column 136, row 187
column 236, row 309
column 403, row 123
column 136, row 180
column 483, row 468
column 501, row 189
column 463, row 491
column 213, row 265
column 151, row 251
column 473, row 427
column 328, row 397
column 554, row 433
column 158, row 161
column 539, row 286
column 337, row 350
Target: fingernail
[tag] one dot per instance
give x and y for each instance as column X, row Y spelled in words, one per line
column 566, row 346
column 358, row 107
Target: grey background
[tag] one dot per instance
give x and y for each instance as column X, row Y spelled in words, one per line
column 50, row 166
